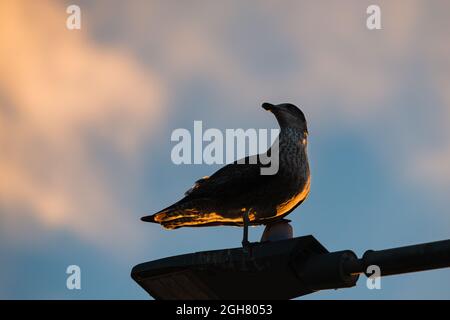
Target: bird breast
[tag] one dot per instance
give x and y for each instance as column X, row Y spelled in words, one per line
column 289, row 204
column 295, row 168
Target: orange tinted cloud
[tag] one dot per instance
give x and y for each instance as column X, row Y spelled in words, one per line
column 58, row 88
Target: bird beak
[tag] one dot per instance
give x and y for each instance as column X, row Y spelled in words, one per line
column 268, row 106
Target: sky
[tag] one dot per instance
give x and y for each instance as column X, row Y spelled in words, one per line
column 86, row 118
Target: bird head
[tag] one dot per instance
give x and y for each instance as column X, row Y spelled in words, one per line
column 288, row 115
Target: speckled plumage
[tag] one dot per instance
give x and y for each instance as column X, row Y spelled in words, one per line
column 222, row 198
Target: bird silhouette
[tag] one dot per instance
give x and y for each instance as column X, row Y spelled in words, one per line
column 239, row 194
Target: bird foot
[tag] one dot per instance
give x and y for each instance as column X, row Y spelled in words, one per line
column 246, row 221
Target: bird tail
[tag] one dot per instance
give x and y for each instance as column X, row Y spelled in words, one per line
column 157, row 217
column 150, row 218
column 167, row 216
column 186, row 213
column 169, row 219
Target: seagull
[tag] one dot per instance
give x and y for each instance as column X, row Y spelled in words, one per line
column 239, row 194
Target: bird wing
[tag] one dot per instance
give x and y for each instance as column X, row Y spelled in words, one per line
column 234, row 180
column 231, row 179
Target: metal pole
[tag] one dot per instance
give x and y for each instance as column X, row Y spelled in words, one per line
column 420, row 257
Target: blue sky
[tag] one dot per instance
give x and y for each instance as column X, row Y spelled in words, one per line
column 86, row 118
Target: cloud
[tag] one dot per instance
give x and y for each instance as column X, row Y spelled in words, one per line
column 59, row 93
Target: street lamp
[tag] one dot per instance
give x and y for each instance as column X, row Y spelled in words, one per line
column 282, row 269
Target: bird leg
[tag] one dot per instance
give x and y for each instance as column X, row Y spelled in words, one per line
column 245, row 242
